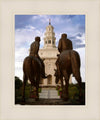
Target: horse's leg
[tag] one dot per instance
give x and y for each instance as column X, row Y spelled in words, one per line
column 37, row 87
column 37, row 95
column 62, row 86
column 67, row 84
column 61, row 78
column 66, row 76
column 24, row 84
column 31, row 90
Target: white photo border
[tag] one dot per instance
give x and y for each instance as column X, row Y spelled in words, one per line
column 91, row 10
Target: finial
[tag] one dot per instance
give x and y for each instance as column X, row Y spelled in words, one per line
column 49, row 21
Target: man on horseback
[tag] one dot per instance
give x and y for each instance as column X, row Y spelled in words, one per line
column 68, row 62
column 34, row 48
column 64, row 43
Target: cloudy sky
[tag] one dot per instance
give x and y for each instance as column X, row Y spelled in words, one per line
column 27, row 27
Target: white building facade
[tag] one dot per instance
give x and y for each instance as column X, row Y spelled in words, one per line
column 49, row 54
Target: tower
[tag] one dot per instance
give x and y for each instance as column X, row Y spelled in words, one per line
column 49, row 39
column 49, row 54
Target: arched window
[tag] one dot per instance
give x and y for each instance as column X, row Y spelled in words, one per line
column 49, row 41
column 49, row 79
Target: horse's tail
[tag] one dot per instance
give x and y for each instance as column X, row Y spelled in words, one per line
column 32, row 65
column 75, row 62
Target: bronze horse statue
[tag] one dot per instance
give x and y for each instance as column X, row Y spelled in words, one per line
column 68, row 63
column 32, row 72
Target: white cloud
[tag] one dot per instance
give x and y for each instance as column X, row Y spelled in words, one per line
column 35, row 17
column 41, row 18
column 54, row 19
column 19, row 73
column 81, row 52
column 30, row 28
column 82, row 38
column 25, row 36
column 20, row 54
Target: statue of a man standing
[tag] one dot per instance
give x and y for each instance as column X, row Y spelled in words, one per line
column 34, row 49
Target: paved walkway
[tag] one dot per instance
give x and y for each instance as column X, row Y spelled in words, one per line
column 49, row 93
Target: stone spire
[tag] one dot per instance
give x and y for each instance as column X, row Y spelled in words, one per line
column 49, row 39
column 49, row 21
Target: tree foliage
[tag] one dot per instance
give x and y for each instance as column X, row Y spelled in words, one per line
column 18, row 83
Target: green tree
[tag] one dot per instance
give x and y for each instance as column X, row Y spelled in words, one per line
column 18, row 82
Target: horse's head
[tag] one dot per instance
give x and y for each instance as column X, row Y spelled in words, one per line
column 57, row 76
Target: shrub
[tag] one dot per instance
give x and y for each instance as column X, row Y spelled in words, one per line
column 73, row 91
column 58, row 87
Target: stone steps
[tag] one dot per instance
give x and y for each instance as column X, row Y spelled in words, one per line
column 49, row 93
